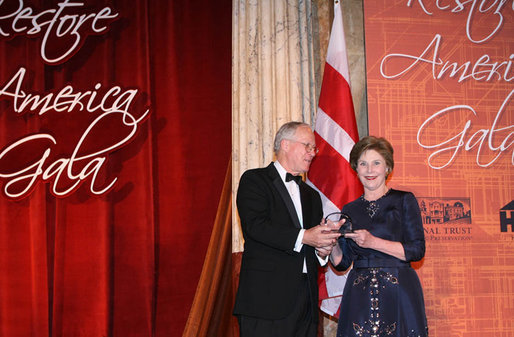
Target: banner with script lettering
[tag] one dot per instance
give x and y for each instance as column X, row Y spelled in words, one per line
column 440, row 88
column 114, row 136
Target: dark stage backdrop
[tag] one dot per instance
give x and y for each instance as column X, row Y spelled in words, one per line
column 115, row 121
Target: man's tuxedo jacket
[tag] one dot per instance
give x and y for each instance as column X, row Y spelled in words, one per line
column 271, row 271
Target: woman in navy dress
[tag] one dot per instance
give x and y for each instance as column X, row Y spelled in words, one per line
column 382, row 295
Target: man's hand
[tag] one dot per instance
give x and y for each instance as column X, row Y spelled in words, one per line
column 323, row 252
column 333, row 226
column 321, row 236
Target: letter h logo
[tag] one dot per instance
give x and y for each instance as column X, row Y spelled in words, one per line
column 507, row 217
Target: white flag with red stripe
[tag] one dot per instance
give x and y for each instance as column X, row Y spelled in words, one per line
column 336, row 133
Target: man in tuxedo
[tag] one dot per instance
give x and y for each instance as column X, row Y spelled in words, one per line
column 285, row 241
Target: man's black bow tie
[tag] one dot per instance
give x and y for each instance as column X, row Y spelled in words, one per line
column 290, row 177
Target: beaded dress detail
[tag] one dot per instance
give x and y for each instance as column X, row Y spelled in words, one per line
column 373, row 205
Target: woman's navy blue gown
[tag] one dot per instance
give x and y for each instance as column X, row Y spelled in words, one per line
column 383, row 295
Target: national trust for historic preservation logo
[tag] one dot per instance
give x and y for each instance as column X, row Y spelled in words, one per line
column 446, row 219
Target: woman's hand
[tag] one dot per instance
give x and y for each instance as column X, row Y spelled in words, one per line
column 365, row 239
column 362, row 238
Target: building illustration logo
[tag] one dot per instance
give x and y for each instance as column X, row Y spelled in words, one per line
column 445, row 210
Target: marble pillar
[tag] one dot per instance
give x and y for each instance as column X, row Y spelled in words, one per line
column 273, row 79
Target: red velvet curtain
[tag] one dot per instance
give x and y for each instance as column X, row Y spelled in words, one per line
column 125, row 262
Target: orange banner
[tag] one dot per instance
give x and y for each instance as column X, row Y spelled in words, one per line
column 439, row 77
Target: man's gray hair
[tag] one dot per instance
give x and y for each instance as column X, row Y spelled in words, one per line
column 286, row 131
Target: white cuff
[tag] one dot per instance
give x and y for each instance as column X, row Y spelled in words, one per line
column 298, row 245
column 322, row 260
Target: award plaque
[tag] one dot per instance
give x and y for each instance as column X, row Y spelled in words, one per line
column 338, row 216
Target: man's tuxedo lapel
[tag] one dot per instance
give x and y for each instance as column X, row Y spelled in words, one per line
column 282, row 190
column 305, row 198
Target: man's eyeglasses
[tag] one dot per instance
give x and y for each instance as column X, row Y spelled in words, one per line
column 308, row 147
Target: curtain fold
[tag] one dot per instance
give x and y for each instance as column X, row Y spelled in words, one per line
column 211, row 312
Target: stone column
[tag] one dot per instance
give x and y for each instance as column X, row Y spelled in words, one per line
column 273, row 80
